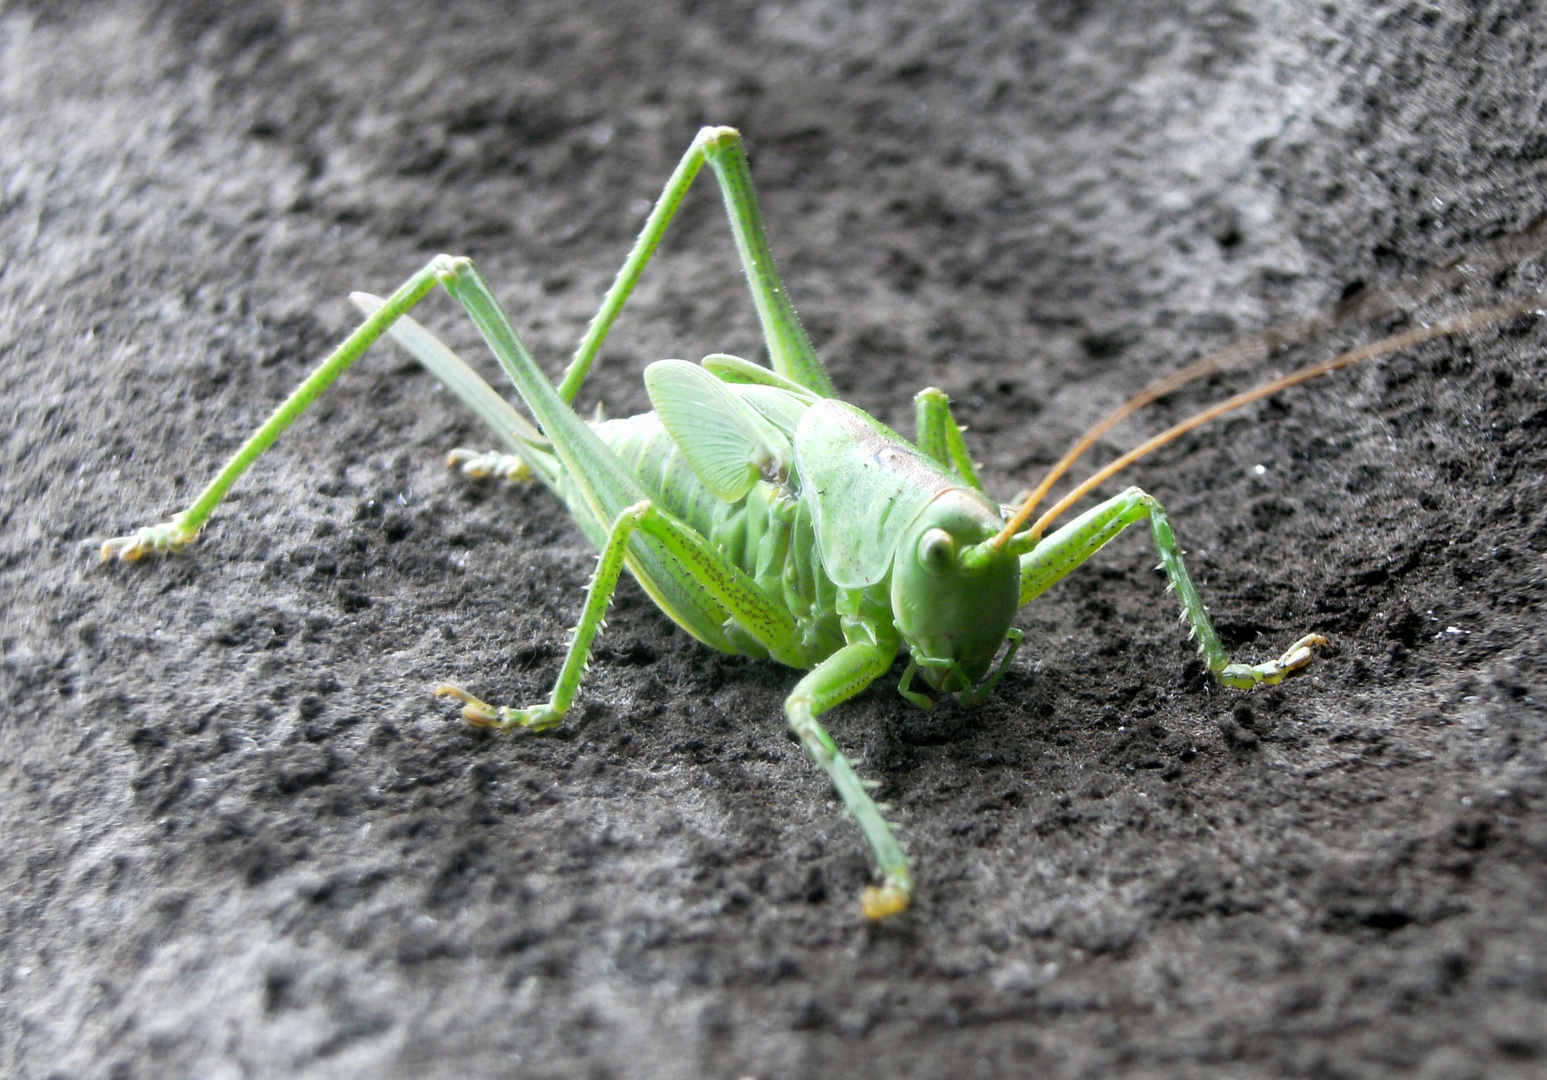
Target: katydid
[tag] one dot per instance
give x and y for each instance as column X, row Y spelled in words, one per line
column 761, row 514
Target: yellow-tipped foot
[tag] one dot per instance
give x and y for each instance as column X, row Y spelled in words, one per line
column 475, row 712
column 481, row 464
column 1298, row 655
column 482, row 714
column 884, row 902
column 162, row 539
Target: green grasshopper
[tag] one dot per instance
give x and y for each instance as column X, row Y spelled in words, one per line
column 762, row 515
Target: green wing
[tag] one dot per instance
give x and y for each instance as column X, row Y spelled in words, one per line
column 733, row 369
column 865, row 486
column 782, row 410
column 728, row 443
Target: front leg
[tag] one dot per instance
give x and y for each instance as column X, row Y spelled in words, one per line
column 1056, row 556
column 836, row 679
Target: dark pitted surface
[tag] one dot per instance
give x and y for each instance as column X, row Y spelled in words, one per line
column 238, row 837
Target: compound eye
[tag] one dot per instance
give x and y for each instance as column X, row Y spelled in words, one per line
column 937, row 551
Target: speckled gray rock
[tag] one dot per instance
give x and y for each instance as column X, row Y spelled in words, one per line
column 237, row 837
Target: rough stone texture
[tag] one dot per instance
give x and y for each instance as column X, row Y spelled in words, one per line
column 239, row 838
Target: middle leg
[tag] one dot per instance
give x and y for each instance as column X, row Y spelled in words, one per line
column 938, row 435
column 833, row 681
column 737, row 596
column 598, row 596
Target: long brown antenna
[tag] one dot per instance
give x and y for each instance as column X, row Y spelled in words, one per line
column 1505, row 251
column 1445, row 327
column 1256, row 347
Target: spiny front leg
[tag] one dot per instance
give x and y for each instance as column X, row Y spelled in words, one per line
column 592, row 618
column 836, row 679
column 1227, row 671
column 1056, row 556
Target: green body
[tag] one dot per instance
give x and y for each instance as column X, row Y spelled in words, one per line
column 823, row 534
column 761, row 515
